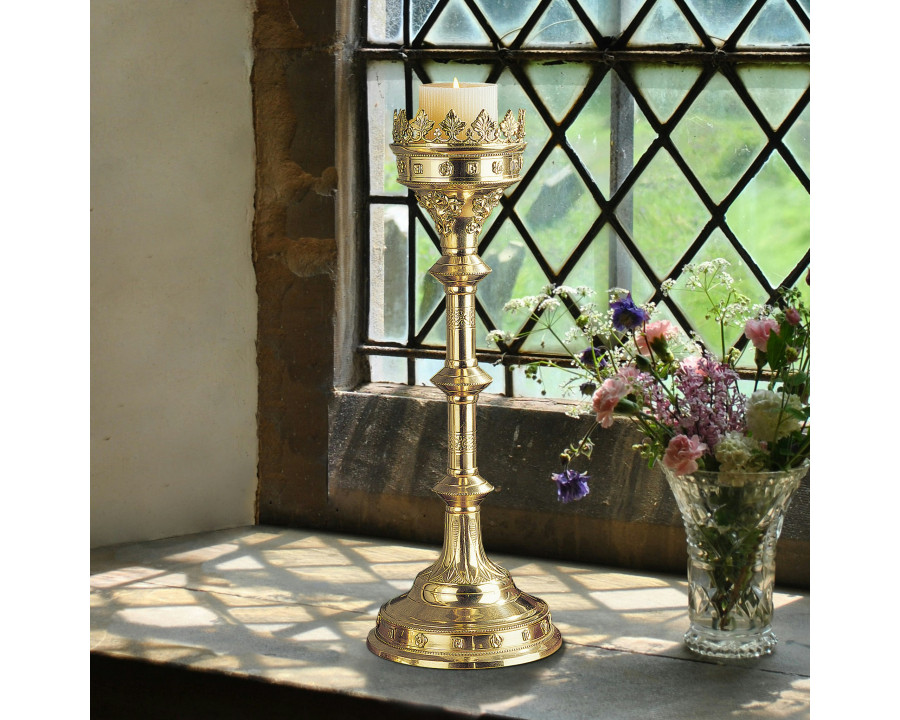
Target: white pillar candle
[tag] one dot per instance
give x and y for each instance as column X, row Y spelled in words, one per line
column 465, row 99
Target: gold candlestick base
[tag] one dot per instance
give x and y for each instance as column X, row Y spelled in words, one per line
column 445, row 621
column 464, row 611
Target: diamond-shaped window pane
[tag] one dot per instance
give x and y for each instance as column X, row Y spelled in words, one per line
column 507, row 17
column 558, row 26
column 510, row 96
column 514, row 273
column 664, row 86
column 592, row 138
column 456, row 26
column 592, row 270
column 557, row 208
column 589, row 136
column 775, row 90
column 718, row 18
column 664, row 25
column 555, row 341
column 718, row 138
column 611, row 18
column 695, row 305
column 663, row 213
column 437, row 336
column 558, row 84
column 797, row 139
column 388, row 262
column 771, row 219
column 776, row 25
column 419, row 10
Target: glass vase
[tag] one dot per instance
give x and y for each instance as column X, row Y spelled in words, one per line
column 732, row 521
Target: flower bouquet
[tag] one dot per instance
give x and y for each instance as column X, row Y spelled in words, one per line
column 733, row 450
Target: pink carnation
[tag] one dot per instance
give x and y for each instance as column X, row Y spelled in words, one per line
column 792, row 315
column 692, row 365
column 757, row 332
column 654, row 332
column 607, row 397
column 629, row 373
column 682, row 454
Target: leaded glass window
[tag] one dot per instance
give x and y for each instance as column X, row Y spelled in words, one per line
column 660, row 132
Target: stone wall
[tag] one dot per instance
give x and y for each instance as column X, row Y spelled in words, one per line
column 294, row 252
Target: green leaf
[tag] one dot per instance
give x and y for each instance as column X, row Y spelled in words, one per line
column 775, row 351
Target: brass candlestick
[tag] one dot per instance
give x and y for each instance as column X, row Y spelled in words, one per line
column 464, row 611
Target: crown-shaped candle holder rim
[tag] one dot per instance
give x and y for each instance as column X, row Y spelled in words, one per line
column 421, row 130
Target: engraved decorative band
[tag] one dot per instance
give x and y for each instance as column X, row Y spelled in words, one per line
column 461, row 318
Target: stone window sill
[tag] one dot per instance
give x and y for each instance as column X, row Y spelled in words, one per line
column 388, row 447
column 290, row 610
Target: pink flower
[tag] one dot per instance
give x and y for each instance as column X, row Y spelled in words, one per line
column 792, row 316
column 682, row 453
column 757, row 332
column 692, row 365
column 655, row 335
column 607, row 397
column 629, row 373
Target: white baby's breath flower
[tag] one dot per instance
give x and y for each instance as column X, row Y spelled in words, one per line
column 550, row 303
column 565, row 291
column 760, row 311
column 528, row 302
column 667, row 286
column 693, row 283
column 585, row 291
column 498, row 336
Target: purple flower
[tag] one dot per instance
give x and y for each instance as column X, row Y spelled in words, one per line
column 627, row 315
column 570, row 485
column 710, row 402
column 594, row 356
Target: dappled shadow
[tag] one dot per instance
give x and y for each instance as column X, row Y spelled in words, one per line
column 296, row 606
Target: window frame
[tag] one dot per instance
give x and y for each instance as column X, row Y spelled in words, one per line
column 630, row 520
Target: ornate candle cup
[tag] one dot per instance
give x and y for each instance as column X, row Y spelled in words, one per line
column 464, row 611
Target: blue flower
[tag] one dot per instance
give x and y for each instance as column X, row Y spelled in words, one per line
column 570, row 485
column 627, row 315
